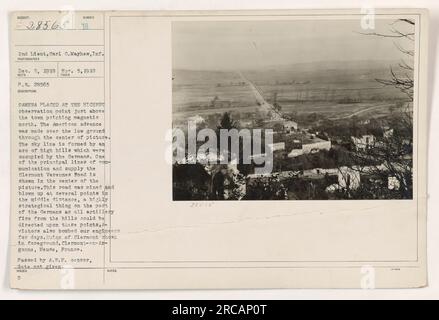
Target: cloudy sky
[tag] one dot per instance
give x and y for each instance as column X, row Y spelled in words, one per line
column 219, row 45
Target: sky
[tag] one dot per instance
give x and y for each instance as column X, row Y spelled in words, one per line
column 239, row 45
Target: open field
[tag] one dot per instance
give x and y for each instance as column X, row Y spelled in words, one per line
column 336, row 93
column 199, row 88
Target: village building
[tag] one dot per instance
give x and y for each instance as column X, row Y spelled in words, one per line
column 364, row 142
column 315, row 144
column 281, row 125
column 278, row 146
column 393, row 183
column 290, row 126
column 388, row 133
column 196, row 119
column 305, row 144
column 349, row 178
column 295, row 153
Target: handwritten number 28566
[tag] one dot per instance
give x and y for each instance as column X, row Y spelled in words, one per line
column 43, row 25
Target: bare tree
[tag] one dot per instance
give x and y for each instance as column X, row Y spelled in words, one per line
column 390, row 157
column 402, row 78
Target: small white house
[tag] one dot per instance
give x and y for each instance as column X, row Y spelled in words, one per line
column 349, row 178
column 393, row 183
column 364, row 142
column 290, row 126
column 295, row 153
column 316, row 145
column 278, row 146
column 388, row 133
column 196, row 119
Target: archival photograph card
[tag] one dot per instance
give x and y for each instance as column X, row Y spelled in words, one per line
column 219, row 149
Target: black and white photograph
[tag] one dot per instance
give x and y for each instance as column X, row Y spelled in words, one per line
column 293, row 109
column 208, row 152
